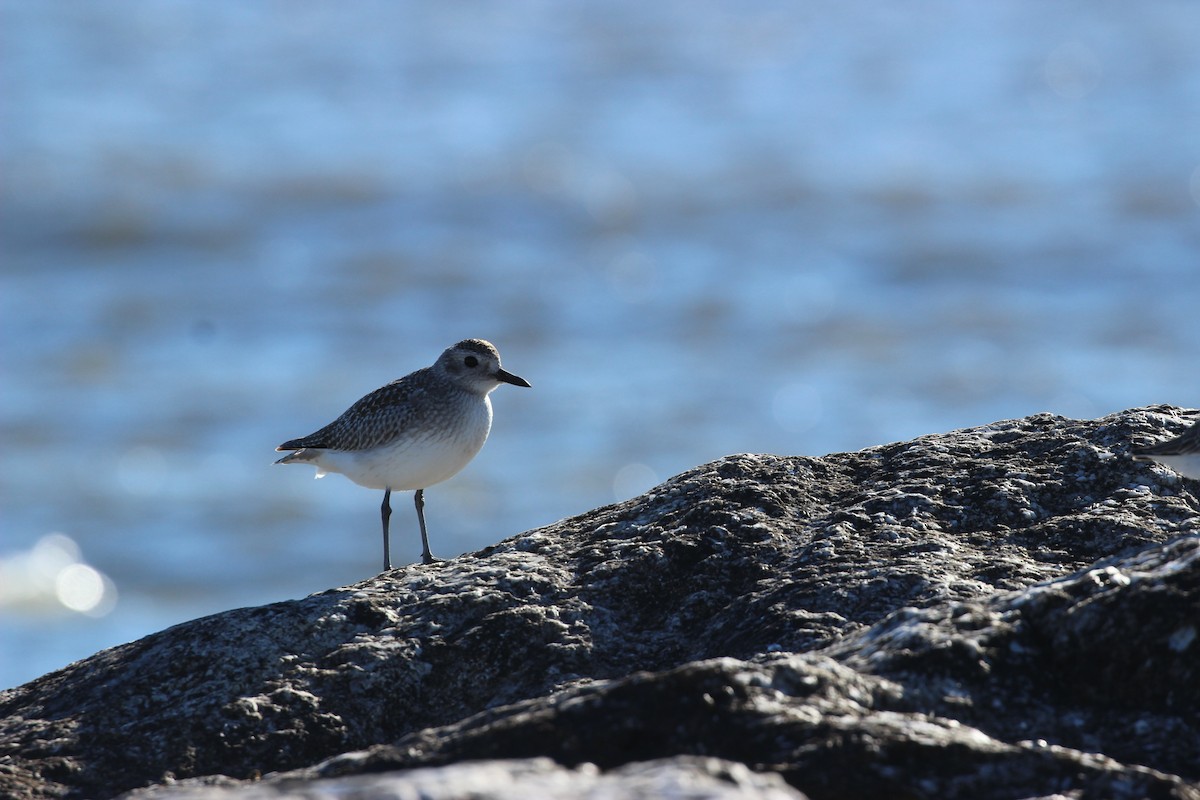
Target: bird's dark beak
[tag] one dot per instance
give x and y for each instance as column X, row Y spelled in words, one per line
column 508, row 377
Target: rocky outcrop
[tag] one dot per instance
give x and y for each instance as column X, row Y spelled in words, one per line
column 998, row 612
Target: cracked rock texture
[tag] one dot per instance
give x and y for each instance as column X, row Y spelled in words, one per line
column 1007, row 611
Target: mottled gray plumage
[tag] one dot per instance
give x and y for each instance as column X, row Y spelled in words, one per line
column 384, row 414
column 423, row 400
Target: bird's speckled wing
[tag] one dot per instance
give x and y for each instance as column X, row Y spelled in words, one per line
column 376, row 418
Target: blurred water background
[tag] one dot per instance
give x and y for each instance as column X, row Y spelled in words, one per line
column 697, row 229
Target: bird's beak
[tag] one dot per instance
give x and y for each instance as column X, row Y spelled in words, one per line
column 508, row 377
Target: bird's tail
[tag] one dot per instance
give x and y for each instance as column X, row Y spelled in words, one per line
column 303, row 456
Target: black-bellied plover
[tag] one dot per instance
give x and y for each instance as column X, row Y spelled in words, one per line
column 1181, row 454
column 413, row 432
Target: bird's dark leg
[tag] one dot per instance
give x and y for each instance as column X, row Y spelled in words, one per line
column 385, row 511
column 419, row 501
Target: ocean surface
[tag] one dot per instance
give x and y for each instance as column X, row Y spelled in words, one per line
column 697, row 229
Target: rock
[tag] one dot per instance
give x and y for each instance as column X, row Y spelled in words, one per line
column 683, row 777
column 997, row 612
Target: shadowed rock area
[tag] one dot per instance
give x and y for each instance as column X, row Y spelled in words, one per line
column 1010, row 611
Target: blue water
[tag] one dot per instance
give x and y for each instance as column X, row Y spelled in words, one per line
column 697, row 229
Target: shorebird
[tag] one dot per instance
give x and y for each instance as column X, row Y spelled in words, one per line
column 412, row 433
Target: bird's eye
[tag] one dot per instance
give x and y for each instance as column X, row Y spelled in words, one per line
column 471, row 361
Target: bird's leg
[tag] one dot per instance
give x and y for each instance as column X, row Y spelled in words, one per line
column 419, row 501
column 385, row 511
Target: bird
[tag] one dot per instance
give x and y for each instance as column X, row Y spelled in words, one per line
column 411, row 433
column 1181, row 454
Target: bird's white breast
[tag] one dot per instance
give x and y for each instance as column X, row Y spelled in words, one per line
column 419, row 457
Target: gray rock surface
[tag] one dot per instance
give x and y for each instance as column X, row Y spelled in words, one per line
column 681, row 778
column 999, row 612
